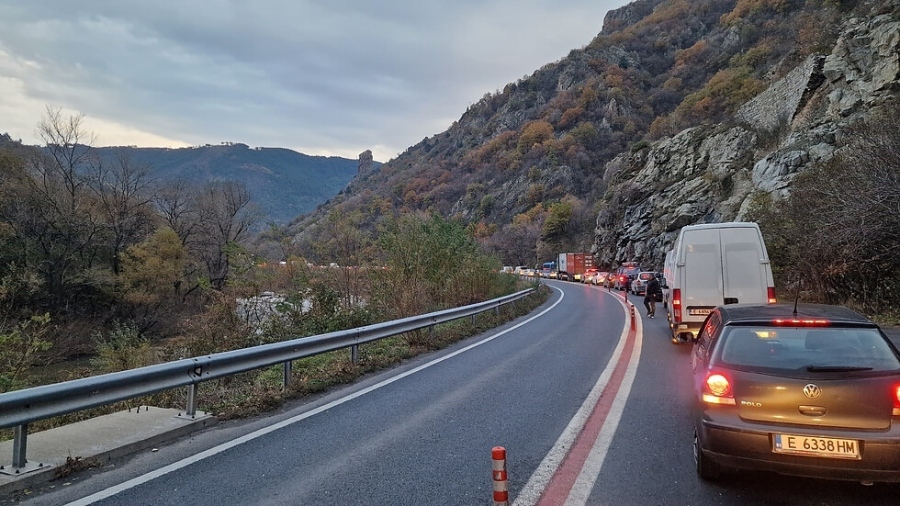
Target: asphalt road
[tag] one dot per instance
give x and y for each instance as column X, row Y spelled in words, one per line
column 423, row 433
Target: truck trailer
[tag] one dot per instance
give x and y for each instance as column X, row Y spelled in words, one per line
column 572, row 266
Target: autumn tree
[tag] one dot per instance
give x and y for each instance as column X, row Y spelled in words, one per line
column 534, row 132
column 152, row 277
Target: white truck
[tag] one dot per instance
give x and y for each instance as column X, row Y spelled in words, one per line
column 712, row 265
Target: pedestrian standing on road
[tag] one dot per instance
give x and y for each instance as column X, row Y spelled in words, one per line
column 651, row 293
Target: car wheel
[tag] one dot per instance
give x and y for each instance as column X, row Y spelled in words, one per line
column 706, row 469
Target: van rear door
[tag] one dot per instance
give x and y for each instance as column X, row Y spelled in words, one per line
column 702, row 267
column 745, row 266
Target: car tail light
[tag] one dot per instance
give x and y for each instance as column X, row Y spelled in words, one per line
column 771, row 295
column 896, row 393
column 676, row 305
column 717, row 389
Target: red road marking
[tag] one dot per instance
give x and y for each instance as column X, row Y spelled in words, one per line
column 564, row 478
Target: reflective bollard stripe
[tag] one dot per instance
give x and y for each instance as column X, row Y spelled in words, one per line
column 498, row 459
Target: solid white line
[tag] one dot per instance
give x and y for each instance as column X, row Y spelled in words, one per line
column 531, row 492
column 111, row 491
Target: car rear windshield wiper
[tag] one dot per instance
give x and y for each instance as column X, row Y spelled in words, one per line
column 837, row 368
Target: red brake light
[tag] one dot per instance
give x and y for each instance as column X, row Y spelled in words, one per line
column 676, row 304
column 717, row 389
column 771, row 295
column 895, row 390
column 799, row 322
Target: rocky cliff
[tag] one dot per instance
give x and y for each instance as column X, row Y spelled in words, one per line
column 709, row 173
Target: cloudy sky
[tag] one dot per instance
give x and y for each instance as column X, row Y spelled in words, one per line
column 323, row 77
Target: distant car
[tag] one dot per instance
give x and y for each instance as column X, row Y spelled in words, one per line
column 639, row 285
column 625, row 275
column 808, row 391
column 601, row 279
column 589, row 274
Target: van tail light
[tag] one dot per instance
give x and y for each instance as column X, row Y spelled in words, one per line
column 895, row 392
column 676, row 305
column 717, row 389
column 771, row 295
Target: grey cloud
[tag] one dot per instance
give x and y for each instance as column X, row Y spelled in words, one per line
column 339, row 75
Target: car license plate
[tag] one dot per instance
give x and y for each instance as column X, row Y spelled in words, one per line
column 815, row 446
column 699, row 311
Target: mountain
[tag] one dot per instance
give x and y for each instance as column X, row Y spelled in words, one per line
column 676, row 113
column 283, row 183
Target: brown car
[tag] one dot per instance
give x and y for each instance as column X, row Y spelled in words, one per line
column 812, row 390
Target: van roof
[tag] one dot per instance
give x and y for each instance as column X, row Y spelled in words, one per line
column 727, row 224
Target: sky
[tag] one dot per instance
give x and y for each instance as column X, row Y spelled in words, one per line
column 322, row 77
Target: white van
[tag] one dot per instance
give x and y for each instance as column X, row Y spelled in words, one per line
column 711, row 265
column 668, row 271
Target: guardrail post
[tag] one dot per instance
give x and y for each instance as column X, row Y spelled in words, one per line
column 20, row 443
column 191, row 405
column 20, row 464
column 354, row 354
column 288, row 366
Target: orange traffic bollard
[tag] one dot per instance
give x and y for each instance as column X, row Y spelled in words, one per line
column 498, row 458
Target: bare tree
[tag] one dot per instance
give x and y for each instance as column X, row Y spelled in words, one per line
column 175, row 202
column 345, row 242
column 225, row 220
column 56, row 211
column 124, row 195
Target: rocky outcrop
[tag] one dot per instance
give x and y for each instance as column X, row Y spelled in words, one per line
column 708, row 174
column 366, row 163
column 781, row 101
column 618, row 19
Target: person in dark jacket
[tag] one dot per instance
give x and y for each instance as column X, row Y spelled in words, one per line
column 651, row 294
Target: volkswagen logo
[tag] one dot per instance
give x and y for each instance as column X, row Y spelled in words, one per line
column 812, row 391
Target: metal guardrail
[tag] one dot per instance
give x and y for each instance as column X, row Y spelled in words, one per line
column 21, row 407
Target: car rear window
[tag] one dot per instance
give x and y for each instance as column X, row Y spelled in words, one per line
column 807, row 349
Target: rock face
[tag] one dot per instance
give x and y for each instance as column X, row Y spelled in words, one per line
column 708, row 174
column 366, row 163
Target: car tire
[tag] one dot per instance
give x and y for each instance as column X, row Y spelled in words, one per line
column 707, row 470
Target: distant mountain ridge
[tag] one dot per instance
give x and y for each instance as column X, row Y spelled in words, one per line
column 283, row 183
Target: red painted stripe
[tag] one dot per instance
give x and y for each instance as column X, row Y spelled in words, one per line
column 564, row 478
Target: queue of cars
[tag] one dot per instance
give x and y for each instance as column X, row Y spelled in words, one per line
column 799, row 389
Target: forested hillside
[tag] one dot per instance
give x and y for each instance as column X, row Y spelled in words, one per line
column 525, row 164
column 573, row 156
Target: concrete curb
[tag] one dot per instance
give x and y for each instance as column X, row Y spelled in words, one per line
column 95, row 441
